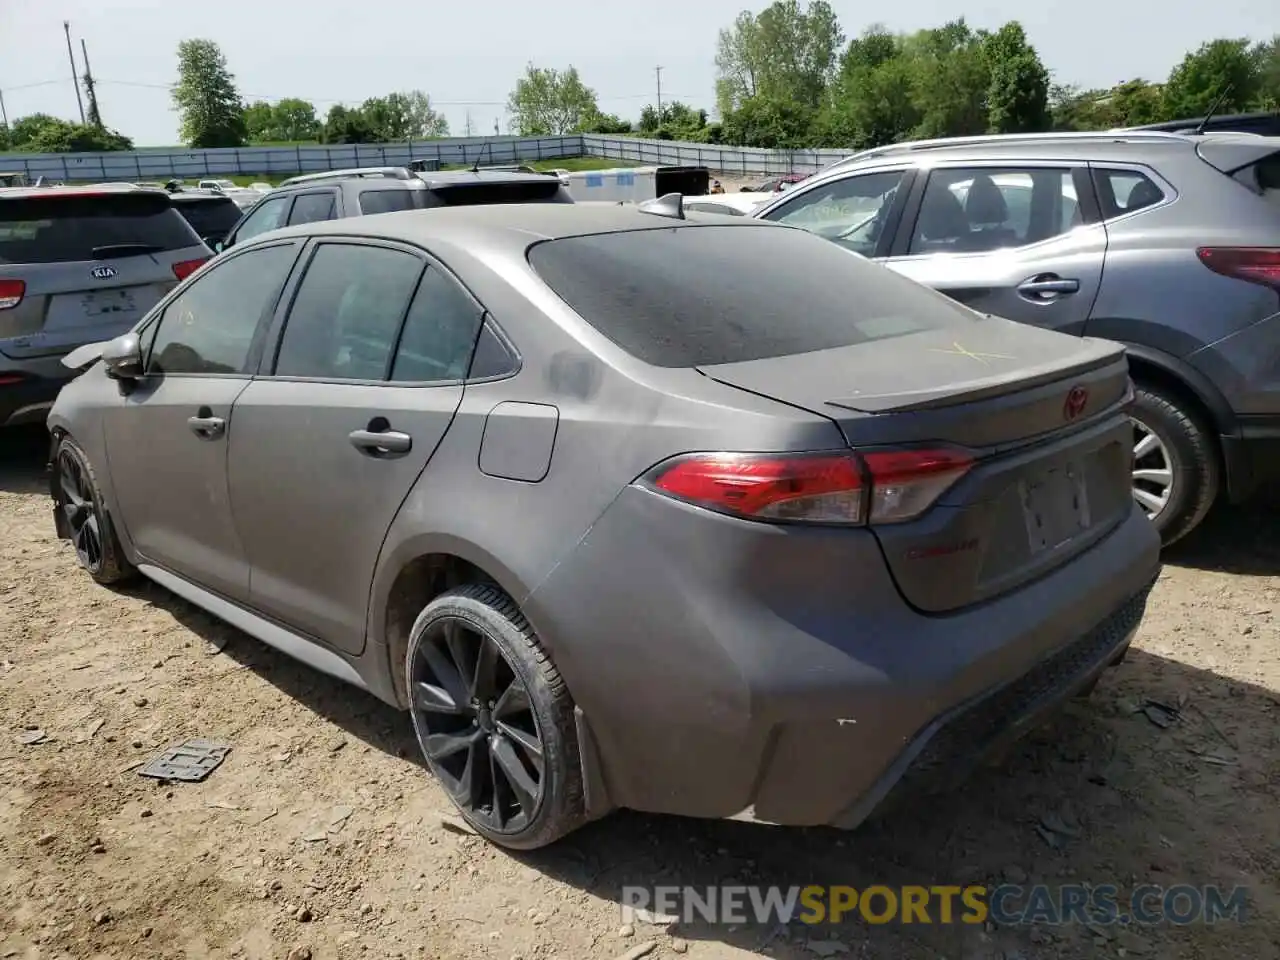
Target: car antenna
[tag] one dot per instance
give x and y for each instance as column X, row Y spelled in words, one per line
column 1199, row 131
column 475, row 167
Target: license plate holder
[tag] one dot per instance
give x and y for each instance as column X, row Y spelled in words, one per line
column 1055, row 506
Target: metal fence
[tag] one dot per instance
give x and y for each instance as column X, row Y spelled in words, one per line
column 275, row 162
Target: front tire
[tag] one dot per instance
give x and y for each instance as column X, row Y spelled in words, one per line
column 79, row 498
column 1176, row 473
column 494, row 718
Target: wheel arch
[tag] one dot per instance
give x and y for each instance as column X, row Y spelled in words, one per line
column 1162, row 370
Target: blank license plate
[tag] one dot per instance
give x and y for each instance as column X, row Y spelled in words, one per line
column 109, row 303
column 1056, row 507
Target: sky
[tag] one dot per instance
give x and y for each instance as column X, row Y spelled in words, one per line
column 467, row 56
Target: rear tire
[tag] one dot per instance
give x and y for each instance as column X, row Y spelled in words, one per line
column 79, row 497
column 1176, row 471
column 494, row 718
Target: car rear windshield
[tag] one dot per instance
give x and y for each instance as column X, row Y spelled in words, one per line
column 210, row 217
column 701, row 295
column 386, row 201
column 54, row 229
column 519, row 191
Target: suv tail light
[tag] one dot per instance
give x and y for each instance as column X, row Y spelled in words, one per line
column 847, row 487
column 185, row 268
column 11, row 293
column 1252, row 264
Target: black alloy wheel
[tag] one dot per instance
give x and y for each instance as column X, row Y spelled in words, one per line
column 476, row 724
column 80, row 508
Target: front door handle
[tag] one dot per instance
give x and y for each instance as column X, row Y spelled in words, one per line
column 381, row 443
column 1047, row 287
column 206, row 426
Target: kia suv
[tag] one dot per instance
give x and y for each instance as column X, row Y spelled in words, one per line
column 79, row 265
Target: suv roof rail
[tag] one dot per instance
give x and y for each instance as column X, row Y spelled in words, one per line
column 1114, row 136
column 392, row 173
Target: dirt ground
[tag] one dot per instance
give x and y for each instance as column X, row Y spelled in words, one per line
column 322, row 836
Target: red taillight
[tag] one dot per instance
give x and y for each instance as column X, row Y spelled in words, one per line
column 882, row 486
column 9, row 379
column 11, row 293
column 1253, row 264
column 185, row 268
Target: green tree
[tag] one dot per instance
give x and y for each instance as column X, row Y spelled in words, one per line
column 1018, row 95
column 769, row 123
column 425, row 122
column 60, row 136
column 295, row 120
column 872, row 100
column 1205, row 74
column 550, row 102
column 25, row 129
column 608, row 123
column 784, row 52
column 1266, row 56
column 346, row 125
column 387, row 117
column 951, row 80
column 205, row 95
column 259, row 122
column 679, row 121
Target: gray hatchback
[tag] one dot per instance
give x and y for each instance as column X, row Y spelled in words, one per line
column 79, row 265
column 1167, row 243
column 625, row 508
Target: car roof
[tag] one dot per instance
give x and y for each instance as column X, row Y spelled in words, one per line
column 508, row 225
column 187, row 196
column 86, row 190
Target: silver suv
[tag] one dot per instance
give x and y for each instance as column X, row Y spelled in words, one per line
column 1168, row 243
column 79, row 265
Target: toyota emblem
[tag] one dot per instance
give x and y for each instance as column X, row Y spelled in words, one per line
column 1077, row 399
column 103, row 272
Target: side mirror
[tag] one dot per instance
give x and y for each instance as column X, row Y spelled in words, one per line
column 122, row 357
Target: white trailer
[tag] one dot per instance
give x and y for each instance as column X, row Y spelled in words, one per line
column 633, row 184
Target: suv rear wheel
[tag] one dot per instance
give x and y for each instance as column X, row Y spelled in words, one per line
column 1176, row 474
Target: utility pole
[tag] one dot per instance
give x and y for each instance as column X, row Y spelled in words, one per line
column 4, row 114
column 658, row 71
column 75, row 79
column 468, row 124
column 496, row 131
column 95, row 116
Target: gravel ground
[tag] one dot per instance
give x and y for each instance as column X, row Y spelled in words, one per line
column 322, row 836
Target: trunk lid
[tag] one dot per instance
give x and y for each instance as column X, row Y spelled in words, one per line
column 1043, row 414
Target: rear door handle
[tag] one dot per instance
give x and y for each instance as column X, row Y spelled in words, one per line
column 206, row 426
column 1047, row 287
column 380, row 443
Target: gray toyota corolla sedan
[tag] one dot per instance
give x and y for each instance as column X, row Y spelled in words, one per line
column 625, row 508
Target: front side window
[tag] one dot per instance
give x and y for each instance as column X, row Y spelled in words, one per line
column 852, row 211
column 977, row 210
column 347, row 312
column 209, row 328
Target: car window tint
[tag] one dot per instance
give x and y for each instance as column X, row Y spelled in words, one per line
column 210, row 217
column 312, row 208
column 267, row 215
column 56, row 229
column 1124, row 191
column 851, row 211
column 386, row 201
column 730, row 292
column 439, row 332
column 977, row 210
column 347, row 312
column 210, row 327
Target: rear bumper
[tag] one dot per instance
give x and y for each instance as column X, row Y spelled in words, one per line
column 792, row 685
column 1252, row 457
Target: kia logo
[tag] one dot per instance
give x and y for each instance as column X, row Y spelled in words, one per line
column 102, row 273
column 1075, row 403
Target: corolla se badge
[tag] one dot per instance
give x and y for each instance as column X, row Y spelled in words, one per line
column 102, row 273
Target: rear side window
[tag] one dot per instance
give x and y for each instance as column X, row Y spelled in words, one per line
column 58, row 229
column 312, row 208
column 519, row 191
column 210, row 217
column 1125, row 191
column 347, row 313
column 694, row 295
column 385, row 201
column 439, row 332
